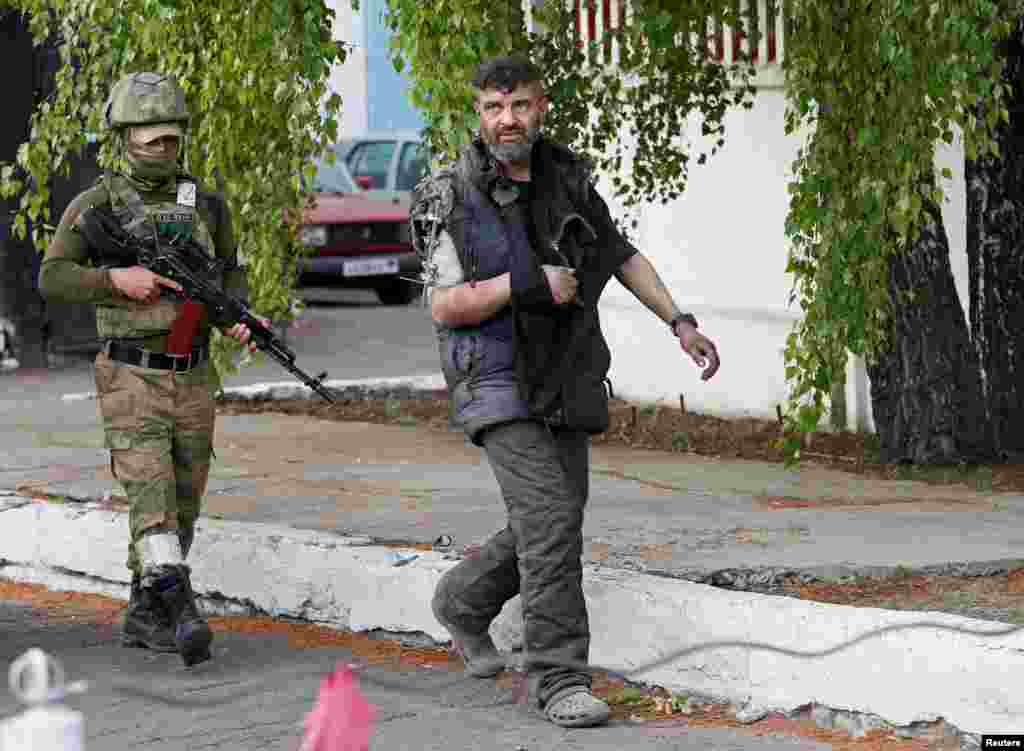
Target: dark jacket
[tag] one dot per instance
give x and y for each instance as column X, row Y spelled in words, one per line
column 534, row 359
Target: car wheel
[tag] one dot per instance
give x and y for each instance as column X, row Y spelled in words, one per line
column 397, row 292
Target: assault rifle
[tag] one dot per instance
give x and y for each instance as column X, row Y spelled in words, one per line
column 185, row 261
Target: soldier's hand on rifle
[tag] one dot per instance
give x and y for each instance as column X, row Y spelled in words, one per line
column 141, row 284
column 241, row 332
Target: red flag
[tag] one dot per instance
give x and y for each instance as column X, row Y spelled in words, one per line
column 342, row 719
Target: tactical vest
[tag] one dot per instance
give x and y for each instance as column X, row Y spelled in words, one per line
column 479, row 362
column 140, row 215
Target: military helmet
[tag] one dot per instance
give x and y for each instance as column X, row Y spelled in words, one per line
column 144, row 99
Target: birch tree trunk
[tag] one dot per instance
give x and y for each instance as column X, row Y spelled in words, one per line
column 926, row 386
column 995, row 251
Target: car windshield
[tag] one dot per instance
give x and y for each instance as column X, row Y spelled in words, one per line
column 333, row 178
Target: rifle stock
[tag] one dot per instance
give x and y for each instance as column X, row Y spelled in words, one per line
column 185, row 262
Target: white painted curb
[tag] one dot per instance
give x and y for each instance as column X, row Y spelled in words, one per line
column 428, row 382
column 903, row 677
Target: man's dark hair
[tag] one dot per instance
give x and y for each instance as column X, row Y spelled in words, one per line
column 506, row 73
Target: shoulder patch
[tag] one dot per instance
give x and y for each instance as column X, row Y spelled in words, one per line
column 433, row 201
column 96, row 195
column 434, row 195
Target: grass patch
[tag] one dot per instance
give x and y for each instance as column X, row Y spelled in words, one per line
column 979, row 477
column 795, row 532
column 959, row 600
column 903, row 572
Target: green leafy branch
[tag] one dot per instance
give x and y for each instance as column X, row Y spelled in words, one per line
column 873, row 86
column 625, row 115
column 255, row 76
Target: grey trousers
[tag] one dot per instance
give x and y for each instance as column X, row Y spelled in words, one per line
column 544, row 477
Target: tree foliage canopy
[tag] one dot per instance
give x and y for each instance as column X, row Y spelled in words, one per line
column 255, row 76
column 872, row 86
column 876, row 84
column 627, row 114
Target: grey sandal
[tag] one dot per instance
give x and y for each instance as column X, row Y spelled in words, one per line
column 576, row 707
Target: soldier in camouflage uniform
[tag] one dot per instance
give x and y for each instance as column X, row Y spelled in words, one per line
column 153, row 377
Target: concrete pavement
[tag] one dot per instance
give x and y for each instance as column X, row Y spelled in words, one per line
column 297, row 510
column 678, row 515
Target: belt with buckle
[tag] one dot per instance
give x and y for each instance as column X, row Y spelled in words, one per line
column 144, row 358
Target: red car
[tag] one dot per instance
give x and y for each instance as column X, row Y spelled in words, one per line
column 357, row 241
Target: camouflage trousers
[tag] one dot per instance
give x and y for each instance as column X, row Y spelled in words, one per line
column 544, row 478
column 158, row 426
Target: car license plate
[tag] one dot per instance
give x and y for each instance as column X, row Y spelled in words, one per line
column 370, row 266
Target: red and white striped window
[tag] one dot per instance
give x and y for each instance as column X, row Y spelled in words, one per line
column 726, row 45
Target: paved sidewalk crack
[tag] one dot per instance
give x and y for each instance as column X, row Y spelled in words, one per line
column 220, row 731
column 208, row 686
column 397, row 716
column 10, row 505
column 618, row 475
column 27, row 468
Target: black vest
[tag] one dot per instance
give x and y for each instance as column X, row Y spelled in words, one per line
column 479, row 362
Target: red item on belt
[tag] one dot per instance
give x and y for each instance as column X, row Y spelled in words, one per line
column 185, row 327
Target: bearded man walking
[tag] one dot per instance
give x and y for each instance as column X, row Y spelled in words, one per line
column 518, row 246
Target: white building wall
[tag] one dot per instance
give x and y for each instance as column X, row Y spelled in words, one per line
column 722, row 251
column 348, row 80
column 954, row 215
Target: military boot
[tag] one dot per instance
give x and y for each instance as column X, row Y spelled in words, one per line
column 192, row 633
column 146, row 623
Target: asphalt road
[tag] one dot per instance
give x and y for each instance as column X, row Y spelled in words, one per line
column 347, row 333
column 258, row 689
column 256, row 692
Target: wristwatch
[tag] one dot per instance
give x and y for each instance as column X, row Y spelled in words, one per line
column 682, row 317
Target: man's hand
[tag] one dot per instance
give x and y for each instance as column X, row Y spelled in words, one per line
column 242, row 334
column 701, row 349
column 141, row 284
column 563, row 283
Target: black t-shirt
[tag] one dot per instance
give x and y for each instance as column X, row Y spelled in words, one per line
column 523, row 212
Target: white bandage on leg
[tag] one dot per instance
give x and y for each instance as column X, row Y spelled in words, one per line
column 160, row 549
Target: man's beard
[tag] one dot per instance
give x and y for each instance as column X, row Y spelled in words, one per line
column 515, row 153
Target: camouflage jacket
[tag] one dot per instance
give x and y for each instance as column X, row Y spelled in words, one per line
column 69, row 272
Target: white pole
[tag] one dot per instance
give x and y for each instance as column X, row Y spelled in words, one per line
column 762, row 32
column 745, row 27
column 615, row 11
column 727, row 44
column 780, row 27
